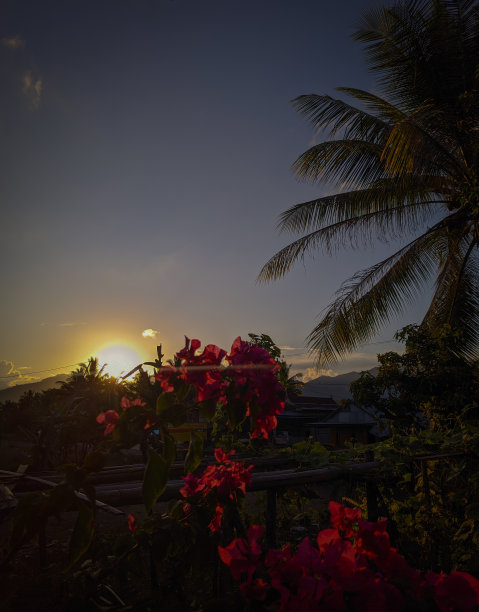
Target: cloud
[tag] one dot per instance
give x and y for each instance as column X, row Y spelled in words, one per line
column 11, row 375
column 71, row 324
column 13, row 42
column 149, row 333
column 32, row 88
column 312, row 373
column 289, row 348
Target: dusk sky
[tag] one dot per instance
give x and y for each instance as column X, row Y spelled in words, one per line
column 146, row 151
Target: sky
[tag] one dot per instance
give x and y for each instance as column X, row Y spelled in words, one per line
column 145, row 156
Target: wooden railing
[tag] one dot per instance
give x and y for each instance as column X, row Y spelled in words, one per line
column 112, row 495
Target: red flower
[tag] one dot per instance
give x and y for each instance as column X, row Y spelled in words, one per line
column 193, row 486
column 110, row 418
column 344, row 518
column 215, row 523
column 354, row 568
column 459, row 591
column 126, row 403
column 132, row 526
column 242, row 556
column 226, row 479
column 253, row 370
column 256, row 590
column 373, row 539
column 165, row 377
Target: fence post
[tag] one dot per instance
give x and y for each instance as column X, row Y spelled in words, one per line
column 271, row 518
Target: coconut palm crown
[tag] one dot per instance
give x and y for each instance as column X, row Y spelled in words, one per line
column 406, row 161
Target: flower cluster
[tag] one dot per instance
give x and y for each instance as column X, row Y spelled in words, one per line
column 253, row 370
column 249, row 378
column 353, row 567
column 202, row 371
column 224, row 479
column 111, row 417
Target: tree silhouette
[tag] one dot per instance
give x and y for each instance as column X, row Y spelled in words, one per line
column 406, row 164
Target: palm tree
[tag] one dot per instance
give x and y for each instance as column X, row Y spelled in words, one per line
column 406, row 163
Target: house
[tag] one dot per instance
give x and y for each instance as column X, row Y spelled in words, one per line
column 349, row 423
column 300, row 411
column 325, row 421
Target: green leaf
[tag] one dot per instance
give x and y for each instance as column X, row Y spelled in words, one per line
column 163, row 403
column 236, row 411
column 170, row 449
column 94, row 461
column 207, row 409
column 154, row 480
column 195, row 452
column 177, row 415
column 184, row 391
column 82, row 533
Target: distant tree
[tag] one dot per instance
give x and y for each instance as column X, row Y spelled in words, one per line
column 407, row 166
column 292, row 384
column 429, row 386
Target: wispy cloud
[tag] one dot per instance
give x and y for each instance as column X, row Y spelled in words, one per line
column 71, row 324
column 312, row 373
column 149, row 333
column 304, row 363
column 32, row 88
column 13, row 42
column 11, row 375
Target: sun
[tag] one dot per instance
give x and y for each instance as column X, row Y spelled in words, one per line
column 119, row 359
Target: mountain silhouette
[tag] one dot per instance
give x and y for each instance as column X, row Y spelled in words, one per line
column 14, row 393
column 336, row 387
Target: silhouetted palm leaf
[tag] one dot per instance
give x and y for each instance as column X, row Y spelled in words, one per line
column 408, row 154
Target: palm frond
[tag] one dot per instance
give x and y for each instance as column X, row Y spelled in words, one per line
column 456, row 297
column 412, row 148
column 379, row 196
column 372, row 296
column 337, row 116
column 381, row 108
column 352, row 233
column 422, row 50
column 351, row 163
column 406, row 150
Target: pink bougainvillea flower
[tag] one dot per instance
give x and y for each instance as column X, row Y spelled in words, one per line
column 256, row 590
column 326, row 537
column 373, row 539
column 250, row 379
column 459, row 591
column 215, row 523
column 126, row 403
column 189, row 350
column 110, row 418
column 222, row 457
column 354, row 568
column 165, row 376
column 254, row 372
column 187, row 510
column 225, row 479
column 244, row 353
column 344, row 518
column 241, row 556
column 193, row 485
column 308, row 557
column 132, row 526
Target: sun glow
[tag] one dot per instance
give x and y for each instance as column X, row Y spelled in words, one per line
column 119, row 359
